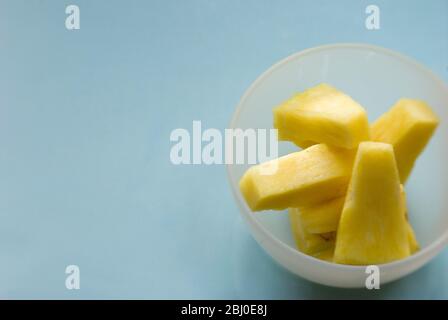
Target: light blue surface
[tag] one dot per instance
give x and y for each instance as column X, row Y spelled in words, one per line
column 85, row 120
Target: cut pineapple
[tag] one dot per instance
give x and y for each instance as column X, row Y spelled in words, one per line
column 306, row 242
column 302, row 178
column 326, row 255
column 323, row 217
column 366, row 224
column 412, row 239
column 372, row 228
column 322, row 114
column 408, row 126
column 413, row 244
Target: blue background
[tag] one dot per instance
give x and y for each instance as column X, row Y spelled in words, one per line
column 85, row 120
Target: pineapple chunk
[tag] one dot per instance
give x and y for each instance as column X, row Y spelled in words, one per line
column 412, row 239
column 301, row 178
column 408, row 126
column 322, row 114
column 306, row 242
column 372, row 228
column 413, row 244
column 326, row 255
column 323, row 217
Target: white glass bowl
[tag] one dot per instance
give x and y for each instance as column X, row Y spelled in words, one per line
column 376, row 78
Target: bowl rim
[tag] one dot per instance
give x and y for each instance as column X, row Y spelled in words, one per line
column 434, row 247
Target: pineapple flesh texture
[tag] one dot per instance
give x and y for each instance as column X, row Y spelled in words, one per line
column 323, row 217
column 322, row 114
column 302, row 178
column 373, row 227
column 408, row 126
column 326, row 255
column 412, row 239
column 307, row 242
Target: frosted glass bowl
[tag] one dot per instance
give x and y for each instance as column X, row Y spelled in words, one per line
column 376, row 78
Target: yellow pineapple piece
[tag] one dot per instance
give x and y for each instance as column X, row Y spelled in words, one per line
column 306, row 242
column 413, row 243
column 412, row 239
column 322, row 217
column 326, row 255
column 408, row 126
column 372, row 228
column 301, row 178
column 322, row 114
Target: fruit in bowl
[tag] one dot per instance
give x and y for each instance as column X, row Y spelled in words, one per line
column 322, row 114
column 344, row 190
